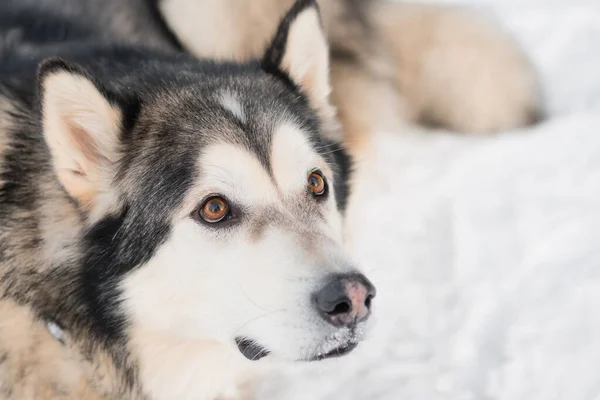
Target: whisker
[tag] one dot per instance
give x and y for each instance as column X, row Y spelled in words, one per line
column 248, row 297
column 258, row 317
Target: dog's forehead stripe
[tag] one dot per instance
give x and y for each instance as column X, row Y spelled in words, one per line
column 231, row 102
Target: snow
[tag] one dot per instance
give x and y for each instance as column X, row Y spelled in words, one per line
column 485, row 251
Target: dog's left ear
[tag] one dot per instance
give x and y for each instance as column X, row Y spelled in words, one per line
column 299, row 50
column 81, row 127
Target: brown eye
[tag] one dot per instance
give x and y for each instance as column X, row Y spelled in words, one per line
column 215, row 209
column 316, row 183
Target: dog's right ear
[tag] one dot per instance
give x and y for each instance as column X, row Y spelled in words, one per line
column 300, row 52
column 81, row 128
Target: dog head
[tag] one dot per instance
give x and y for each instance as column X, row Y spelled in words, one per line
column 212, row 196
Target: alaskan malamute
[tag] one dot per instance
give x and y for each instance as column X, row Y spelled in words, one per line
column 171, row 228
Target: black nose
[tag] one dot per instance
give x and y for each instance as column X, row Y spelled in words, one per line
column 345, row 300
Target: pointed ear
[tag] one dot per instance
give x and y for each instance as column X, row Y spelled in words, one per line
column 300, row 51
column 81, row 128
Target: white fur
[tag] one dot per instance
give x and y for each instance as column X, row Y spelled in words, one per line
column 231, row 102
column 232, row 170
column 55, row 331
column 291, row 154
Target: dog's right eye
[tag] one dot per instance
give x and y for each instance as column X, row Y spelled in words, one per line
column 317, row 184
column 214, row 209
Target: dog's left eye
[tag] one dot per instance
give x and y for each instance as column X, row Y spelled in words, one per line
column 214, row 209
column 317, row 184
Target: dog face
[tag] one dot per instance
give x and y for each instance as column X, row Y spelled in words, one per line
column 214, row 202
column 252, row 244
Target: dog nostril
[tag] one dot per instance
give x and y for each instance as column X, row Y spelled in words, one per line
column 346, row 300
column 368, row 301
column 341, row 308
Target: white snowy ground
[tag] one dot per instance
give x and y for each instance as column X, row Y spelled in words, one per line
column 485, row 251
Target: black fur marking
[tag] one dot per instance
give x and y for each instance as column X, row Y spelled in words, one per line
column 101, row 268
column 162, row 26
column 56, row 64
column 341, row 162
column 130, row 111
column 344, row 55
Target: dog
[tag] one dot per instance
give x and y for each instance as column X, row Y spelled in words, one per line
column 173, row 197
column 170, row 227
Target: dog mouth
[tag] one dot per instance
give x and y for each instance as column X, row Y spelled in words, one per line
column 339, row 344
column 254, row 351
column 250, row 349
column 339, row 351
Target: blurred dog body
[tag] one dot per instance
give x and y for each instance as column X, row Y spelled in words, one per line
column 392, row 64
